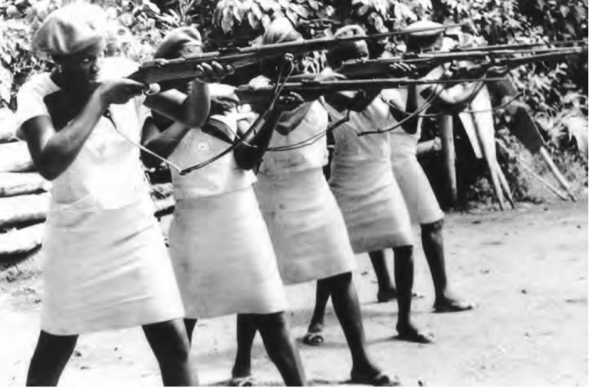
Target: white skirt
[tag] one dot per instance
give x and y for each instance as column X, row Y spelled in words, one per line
column 372, row 204
column 105, row 269
column 306, row 226
column 415, row 187
column 223, row 257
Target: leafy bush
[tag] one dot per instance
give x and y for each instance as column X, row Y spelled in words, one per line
column 556, row 92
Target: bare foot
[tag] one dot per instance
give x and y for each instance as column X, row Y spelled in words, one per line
column 449, row 304
column 372, row 376
column 410, row 333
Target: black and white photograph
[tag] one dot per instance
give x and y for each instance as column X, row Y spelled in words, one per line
column 293, row 193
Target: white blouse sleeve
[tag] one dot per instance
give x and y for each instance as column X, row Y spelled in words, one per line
column 30, row 104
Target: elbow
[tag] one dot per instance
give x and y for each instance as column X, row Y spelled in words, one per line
column 195, row 120
column 246, row 161
column 196, row 117
column 149, row 160
column 47, row 172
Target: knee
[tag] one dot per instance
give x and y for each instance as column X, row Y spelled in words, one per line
column 277, row 320
column 61, row 346
column 433, row 228
column 336, row 282
column 169, row 342
column 403, row 253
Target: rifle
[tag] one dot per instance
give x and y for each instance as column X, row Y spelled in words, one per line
column 424, row 63
column 520, row 46
column 311, row 90
column 64, row 106
column 186, row 68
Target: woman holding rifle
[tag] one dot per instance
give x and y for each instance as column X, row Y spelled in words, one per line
column 104, row 259
column 306, row 227
column 220, row 248
column 368, row 195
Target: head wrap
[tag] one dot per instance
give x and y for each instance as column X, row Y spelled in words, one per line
column 180, row 42
column 280, row 30
column 349, row 50
column 71, row 29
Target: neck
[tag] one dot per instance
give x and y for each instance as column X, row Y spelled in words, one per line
column 67, row 83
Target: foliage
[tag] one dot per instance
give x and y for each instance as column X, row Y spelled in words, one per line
column 556, row 92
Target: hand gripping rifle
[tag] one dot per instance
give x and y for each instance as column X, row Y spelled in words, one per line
column 64, row 106
column 187, row 68
column 424, row 63
column 311, row 90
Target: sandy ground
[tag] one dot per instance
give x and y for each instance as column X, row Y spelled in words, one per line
column 527, row 269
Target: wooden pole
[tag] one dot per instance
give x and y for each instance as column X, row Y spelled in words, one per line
column 505, row 186
column 7, row 125
column 18, row 242
column 15, row 157
column 23, row 209
column 560, row 178
column 532, row 173
column 15, row 184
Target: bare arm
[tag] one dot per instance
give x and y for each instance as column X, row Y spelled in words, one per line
column 161, row 142
column 451, row 98
column 249, row 154
column 54, row 151
column 192, row 110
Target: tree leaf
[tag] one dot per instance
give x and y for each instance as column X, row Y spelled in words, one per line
column 6, row 81
column 253, row 20
column 227, row 22
column 300, row 10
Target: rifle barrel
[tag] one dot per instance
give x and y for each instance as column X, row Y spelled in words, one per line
column 313, row 90
column 162, row 70
column 517, row 46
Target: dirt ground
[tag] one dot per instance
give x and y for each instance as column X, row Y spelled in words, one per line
column 526, row 269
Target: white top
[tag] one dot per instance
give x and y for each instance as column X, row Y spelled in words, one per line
column 107, row 173
column 310, row 156
column 350, row 145
column 222, row 176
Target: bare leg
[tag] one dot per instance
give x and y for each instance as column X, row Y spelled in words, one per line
column 274, row 331
column 404, row 279
column 347, row 308
column 50, row 358
column 433, row 244
column 171, row 347
column 386, row 291
column 189, row 325
column 246, row 331
column 316, row 325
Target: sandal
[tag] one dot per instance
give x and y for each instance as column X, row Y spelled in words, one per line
column 313, row 339
column 379, row 379
column 242, row 381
